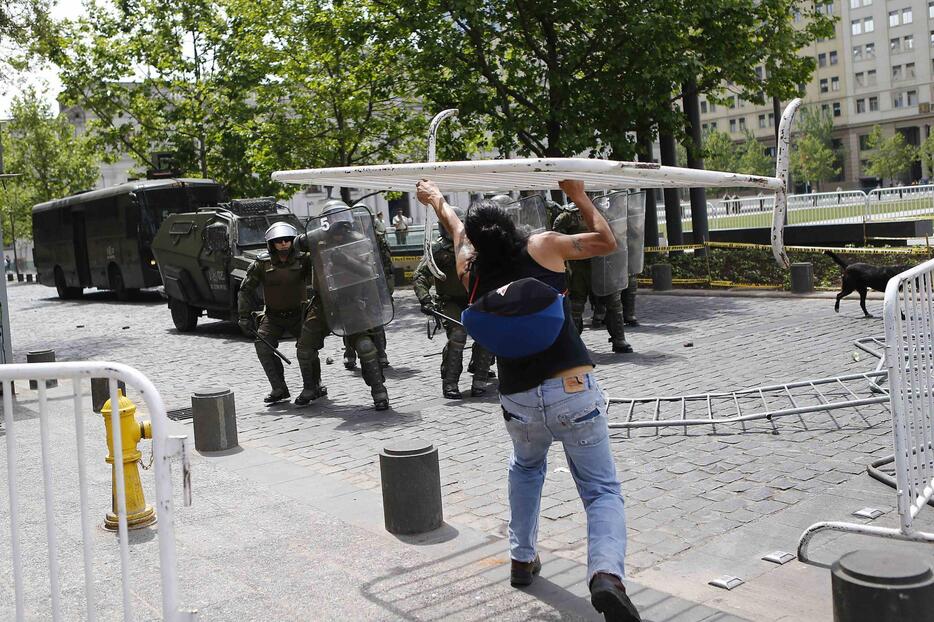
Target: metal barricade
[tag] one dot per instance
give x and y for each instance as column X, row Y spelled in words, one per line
column 900, row 203
column 165, row 448
column 908, row 313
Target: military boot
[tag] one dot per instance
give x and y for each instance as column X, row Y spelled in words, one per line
column 614, row 326
column 373, row 373
column 274, row 373
column 480, row 361
column 599, row 316
column 629, row 302
column 311, row 380
column 350, row 355
column 452, row 364
column 379, row 338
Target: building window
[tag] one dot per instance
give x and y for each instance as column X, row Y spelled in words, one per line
column 911, row 98
column 732, row 125
column 824, row 85
column 713, row 107
column 908, row 42
column 867, row 2
column 856, row 27
column 931, row 9
column 759, row 72
column 898, row 100
column 836, row 109
column 821, row 60
column 896, row 73
column 703, row 107
column 895, row 45
column 835, row 84
column 742, row 124
column 909, row 71
column 825, row 108
column 860, row 106
column 858, row 49
column 771, row 119
column 873, row 104
column 870, row 50
column 762, row 122
column 704, row 127
column 932, row 37
column 863, row 142
column 713, row 126
column 893, row 18
column 871, row 77
column 868, row 25
column 854, row 4
column 859, row 78
column 833, row 57
column 906, row 16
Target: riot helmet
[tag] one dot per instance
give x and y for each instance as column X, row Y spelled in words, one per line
column 279, row 231
column 502, row 199
column 336, row 217
column 443, row 230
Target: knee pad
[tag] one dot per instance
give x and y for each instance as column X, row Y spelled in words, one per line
column 365, row 348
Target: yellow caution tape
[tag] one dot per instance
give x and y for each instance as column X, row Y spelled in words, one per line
column 677, row 247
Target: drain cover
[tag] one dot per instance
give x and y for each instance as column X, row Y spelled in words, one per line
column 179, row 414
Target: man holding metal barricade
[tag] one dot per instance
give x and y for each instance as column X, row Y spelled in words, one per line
column 350, row 281
column 284, row 274
column 449, row 301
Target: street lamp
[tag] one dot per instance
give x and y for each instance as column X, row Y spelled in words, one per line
column 3, row 179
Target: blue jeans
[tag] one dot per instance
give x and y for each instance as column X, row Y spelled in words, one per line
column 535, row 418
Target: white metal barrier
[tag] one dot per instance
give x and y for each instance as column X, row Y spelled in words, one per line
column 165, row 447
column 901, row 202
column 908, row 313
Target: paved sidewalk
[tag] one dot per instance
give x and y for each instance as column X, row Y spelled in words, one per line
column 701, row 502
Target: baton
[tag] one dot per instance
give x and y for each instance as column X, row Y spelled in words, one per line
column 442, row 316
column 271, row 347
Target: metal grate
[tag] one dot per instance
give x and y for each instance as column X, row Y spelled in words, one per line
column 179, row 414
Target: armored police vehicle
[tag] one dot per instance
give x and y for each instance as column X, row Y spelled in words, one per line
column 203, row 256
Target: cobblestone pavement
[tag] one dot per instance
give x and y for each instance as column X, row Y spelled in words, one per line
column 682, row 487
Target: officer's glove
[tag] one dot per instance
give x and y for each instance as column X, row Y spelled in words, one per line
column 246, row 326
column 428, row 307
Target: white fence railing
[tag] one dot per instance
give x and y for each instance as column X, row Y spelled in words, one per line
column 908, row 314
column 851, row 206
column 165, row 447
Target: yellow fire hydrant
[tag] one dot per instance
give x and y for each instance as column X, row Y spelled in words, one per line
column 138, row 513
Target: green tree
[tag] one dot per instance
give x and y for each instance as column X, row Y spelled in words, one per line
column 890, row 157
column 813, row 158
column 51, row 160
column 24, row 25
column 719, row 151
column 926, row 152
column 752, row 159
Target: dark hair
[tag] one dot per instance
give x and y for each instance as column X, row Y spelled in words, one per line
column 493, row 235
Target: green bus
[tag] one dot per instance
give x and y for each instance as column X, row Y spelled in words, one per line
column 103, row 238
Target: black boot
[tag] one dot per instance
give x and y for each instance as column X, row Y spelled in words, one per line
column 599, row 316
column 629, row 302
column 480, row 360
column 350, row 355
column 379, row 338
column 373, row 373
column 452, row 364
column 614, row 325
column 311, row 380
column 272, row 366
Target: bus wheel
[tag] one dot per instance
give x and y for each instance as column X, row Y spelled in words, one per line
column 184, row 315
column 123, row 292
column 65, row 292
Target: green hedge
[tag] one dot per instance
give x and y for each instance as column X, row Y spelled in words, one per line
column 757, row 266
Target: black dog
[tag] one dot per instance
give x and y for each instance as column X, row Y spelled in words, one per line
column 859, row 277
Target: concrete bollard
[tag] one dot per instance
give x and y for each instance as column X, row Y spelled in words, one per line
column 411, row 481
column 661, row 277
column 214, row 415
column 100, row 392
column 20, row 277
column 41, row 356
column 802, row 277
column 882, row 586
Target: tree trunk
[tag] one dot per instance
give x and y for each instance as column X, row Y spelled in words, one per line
column 691, row 102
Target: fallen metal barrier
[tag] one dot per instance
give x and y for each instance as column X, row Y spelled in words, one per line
column 908, row 313
column 165, row 448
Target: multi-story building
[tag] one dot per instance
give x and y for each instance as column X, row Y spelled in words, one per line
column 876, row 70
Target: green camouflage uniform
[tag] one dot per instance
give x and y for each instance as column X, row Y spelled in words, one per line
column 579, row 287
column 378, row 334
column 450, row 299
column 287, row 310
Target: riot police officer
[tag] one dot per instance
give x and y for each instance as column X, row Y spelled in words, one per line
column 284, row 273
column 349, row 279
column 450, row 299
column 579, row 286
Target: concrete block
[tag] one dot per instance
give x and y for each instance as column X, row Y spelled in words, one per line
column 881, row 585
column 411, row 482
column 802, row 277
column 100, row 392
column 41, row 356
column 661, row 277
column 214, row 415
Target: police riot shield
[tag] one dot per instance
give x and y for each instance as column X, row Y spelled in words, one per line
column 529, row 214
column 348, row 272
column 635, row 234
column 610, row 273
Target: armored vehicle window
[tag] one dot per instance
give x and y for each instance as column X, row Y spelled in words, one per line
column 251, row 231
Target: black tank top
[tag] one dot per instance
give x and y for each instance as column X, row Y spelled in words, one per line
column 568, row 350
